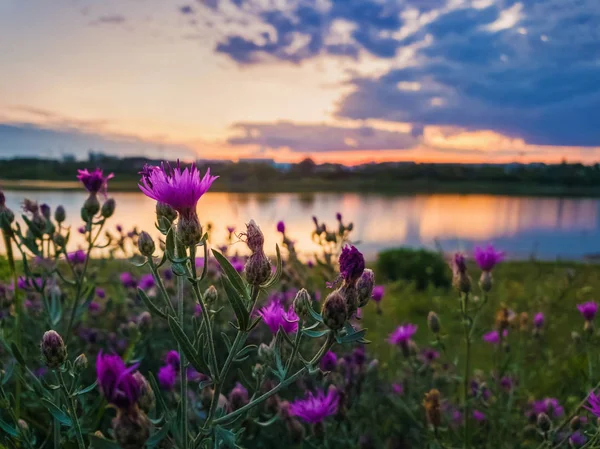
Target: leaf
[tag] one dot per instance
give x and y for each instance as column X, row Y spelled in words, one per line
column 246, row 350
column 234, row 277
column 8, row 372
column 149, row 304
column 157, row 437
column 170, row 243
column 356, row 336
column 55, row 308
column 186, row 346
column 267, row 423
column 17, row 354
column 178, row 269
column 316, row 316
column 277, row 275
column 205, row 383
column 97, row 442
column 8, row 428
column 314, row 333
column 86, row 389
column 55, row 411
column 236, row 302
column 226, row 340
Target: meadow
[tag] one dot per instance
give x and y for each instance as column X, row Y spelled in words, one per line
column 186, row 343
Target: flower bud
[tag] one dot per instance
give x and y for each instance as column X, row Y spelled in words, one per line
column 146, row 244
column 23, row 426
column 254, row 237
column 144, row 322
column 431, row 403
column 131, row 428
column 7, row 216
column 189, row 230
column 258, row 268
column 238, row 397
column 575, row 423
column 60, row 240
column 265, row 353
column 45, row 209
column 543, row 422
column 80, row 364
column 165, row 211
column 433, row 322
column 365, row 286
column 90, row 208
column 258, row 371
column 485, row 281
column 302, row 304
column 335, row 311
column 461, row 282
column 59, row 214
column 108, row 208
column 147, row 399
column 53, row 349
column 211, row 295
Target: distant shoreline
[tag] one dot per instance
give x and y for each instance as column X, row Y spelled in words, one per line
column 421, row 186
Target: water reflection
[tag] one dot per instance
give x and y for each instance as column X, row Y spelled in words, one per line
column 554, row 227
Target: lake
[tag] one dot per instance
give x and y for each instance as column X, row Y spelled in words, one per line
column 546, row 227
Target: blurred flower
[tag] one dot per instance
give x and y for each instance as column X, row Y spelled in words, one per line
column 577, row 439
column 459, row 264
column 352, row 264
column 28, row 284
column 549, row 406
column 378, row 292
column 478, row 416
column 100, row 293
column 402, row 334
column 275, row 315
column 128, row 280
column 314, row 409
column 338, row 216
column 147, row 281
column 493, row 337
column 238, row 396
column 398, row 388
column 172, row 358
column 197, row 310
column 93, row 307
column 329, row 361
column 538, row 320
column 488, row 257
column 428, row 355
column 166, row 377
column 94, row 181
column 77, row 257
column 231, row 229
column 116, row 382
column 588, row 310
column 281, row 227
column 593, row 404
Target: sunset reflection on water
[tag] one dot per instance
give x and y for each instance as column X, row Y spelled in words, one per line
column 551, row 226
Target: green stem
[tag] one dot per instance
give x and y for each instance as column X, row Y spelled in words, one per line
column 73, row 411
column 213, row 366
column 297, row 339
column 182, row 366
column 161, row 285
column 467, row 326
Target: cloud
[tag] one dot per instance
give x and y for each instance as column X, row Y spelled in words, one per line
column 114, row 19
column 320, row 137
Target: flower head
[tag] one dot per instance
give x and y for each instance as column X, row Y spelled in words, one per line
column 281, row 226
column 538, row 320
column 167, row 376
column 117, row 383
column 172, row 358
column 238, row 396
column 147, row 281
column 275, row 315
column 329, row 361
column 479, row 416
column 180, row 189
column 593, row 404
column 493, row 337
column 94, row 181
column 352, row 264
column 459, row 263
column 378, row 292
column 488, row 257
column 128, row 280
column 549, row 406
column 588, row 310
column 402, row 334
column 77, row 257
column 315, row 408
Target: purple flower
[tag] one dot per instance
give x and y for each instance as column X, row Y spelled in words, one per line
column 459, row 263
column 506, row 383
column 147, row 282
column 593, row 404
column 577, row 439
column 488, row 257
column 231, row 229
column 352, row 264
column 428, row 355
column 314, row 409
column 549, row 406
column 127, row 280
column 77, row 257
column 402, row 334
column 119, row 228
column 329, row 361
column 95, row 181
column 116, row 381
column 100, row 293
column 275, row 315
column 478, row 416
column 166, row 377
column 281, row 226
column 197, row 310
column 588, row 310
column 338, row 216
column 493, row 337
column 238, row 396
column 93, row 307
column 398, row 388
column 81, row 229
column 172, row 358
column 180, row 189
column 29, row 284
column 378, row 292
column 237, row 264
column 538, row 320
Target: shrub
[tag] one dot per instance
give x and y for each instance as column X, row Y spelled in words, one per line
column 419, row 266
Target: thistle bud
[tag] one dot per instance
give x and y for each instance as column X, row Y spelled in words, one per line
column 211, row 295
column 146, row 244
column 7, row 216
column 350, row 294
column 144, row 322
column 132, row 428
column 431, row 403
column 53, row 349
column 108, row 208
column 462, row 282
column 364, row 286
column 258, row 371
column 335, row 311
column 165, row 211
column 433, row 322
column 238, row 397
column 147, row 399
column 265, row 353
column 90, row 208
column 254, row 237
column 485, row 281
column 59, row 214
column 543, row 422
column 575, row 423
column 302, row 304
column 258, row 268
column 60, row 240
column 80, row 364
column 189, row 230
column 45, row 210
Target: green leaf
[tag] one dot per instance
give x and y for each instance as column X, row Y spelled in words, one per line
column 247, row 350
column 55, row 308
column 178, row 269
column 236, row 302
column 102, row 443
column 86, row 389
column 8, row 372
column 17, row 354
column 157, row 437
column 149, row 304
column 254, row 323
column 316, row 316
column 234, row 277
column 275, row 278
column 8, row 428
column 356, row 336
column 314, row 333
column 55, row 411
column 186, row 346
column 170, row 243
column 267, row 423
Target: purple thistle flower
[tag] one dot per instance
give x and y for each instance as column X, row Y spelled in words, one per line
column 93, row 307
column 128, row 280
column 488, row 257
column 493, row 337
column 29, row 284
column 506, row 383
column 479, row 416
column 549, row 406
column 166, row 377
column 238, row 396
column 329, row 361
column 352, row 264
column 577, row 439
column 402, row 334
column 314, row 409
column 77, row 257
column 231, row 229
column 81, row 229
column 197, row 310
column 100, row 293
column 275, row 315
column 378, row 292
column 116, row 381
column 538, row 320
column 180, row 189
column 147, row 282
column 593, row 404
column 94, row 181
column 398, row 388
column 281, row 226
column 428, row 355
column 172, row 358
column 588, row 310
column 338, row 216
column 237, row 264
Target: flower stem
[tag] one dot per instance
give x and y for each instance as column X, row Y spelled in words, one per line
column 467, row 327
column 182, row 367
column 72, row 410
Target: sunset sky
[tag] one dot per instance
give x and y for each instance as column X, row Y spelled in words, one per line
column 347, row 81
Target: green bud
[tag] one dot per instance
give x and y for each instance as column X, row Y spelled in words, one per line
column 146, row 244
column 335, row 311
column 211, row 295
column 165, row 211
column 108, row 208
column 53, row 349
column 59, row 214
column 302, row 304
column 189, row 230
column 543, row 422
column 433, row 322
column 364, row 286
column 80, row 364
column 90, row 208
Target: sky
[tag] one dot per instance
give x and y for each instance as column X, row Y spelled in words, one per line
column 349, row 81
